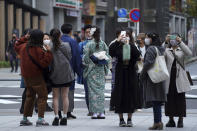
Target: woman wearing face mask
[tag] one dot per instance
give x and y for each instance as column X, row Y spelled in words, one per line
column 154, row 92
column 47, row 40
column 178, row 82
column 124, row 93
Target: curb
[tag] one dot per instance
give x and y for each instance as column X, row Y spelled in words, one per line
column 191, row 60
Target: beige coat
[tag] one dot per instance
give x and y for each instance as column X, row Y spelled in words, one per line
column 182, row 82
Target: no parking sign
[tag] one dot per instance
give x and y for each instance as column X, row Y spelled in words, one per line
column 134, row 15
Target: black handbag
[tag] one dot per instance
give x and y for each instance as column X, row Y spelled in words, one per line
column 187, row 72
column 45, row 72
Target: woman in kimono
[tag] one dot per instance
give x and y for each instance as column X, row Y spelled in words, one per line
column 94, row 72
column 124, row 95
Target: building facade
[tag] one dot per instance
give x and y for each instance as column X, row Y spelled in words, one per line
column 17, row 15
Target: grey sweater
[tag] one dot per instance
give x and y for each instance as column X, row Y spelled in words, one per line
column 61, row 69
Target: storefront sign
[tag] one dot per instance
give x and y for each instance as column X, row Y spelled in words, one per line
column 90, row 8
column 69, row 4
column 73, row 13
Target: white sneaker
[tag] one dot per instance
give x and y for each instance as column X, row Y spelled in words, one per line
column 94, row 116
column 101, row 116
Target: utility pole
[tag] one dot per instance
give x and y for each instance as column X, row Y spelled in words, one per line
column 141, row 6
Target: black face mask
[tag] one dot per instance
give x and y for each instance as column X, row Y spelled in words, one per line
column 138, row 41
column 13, row 37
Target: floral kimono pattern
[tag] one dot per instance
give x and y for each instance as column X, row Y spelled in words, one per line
column 95, row 76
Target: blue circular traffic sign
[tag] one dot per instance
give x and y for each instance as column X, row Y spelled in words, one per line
column 122, row 12
column 135, row 15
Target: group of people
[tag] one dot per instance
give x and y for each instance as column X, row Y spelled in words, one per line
column 132, row 87
column 50, row 62
column 61, row 56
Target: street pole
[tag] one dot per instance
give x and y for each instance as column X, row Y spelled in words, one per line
column 141, row 6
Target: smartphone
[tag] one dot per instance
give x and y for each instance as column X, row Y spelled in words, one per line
column 173, row 37
column 123, row 33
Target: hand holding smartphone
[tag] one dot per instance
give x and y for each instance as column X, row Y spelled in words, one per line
column 123, row 33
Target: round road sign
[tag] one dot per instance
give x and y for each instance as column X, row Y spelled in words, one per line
column 135, row 15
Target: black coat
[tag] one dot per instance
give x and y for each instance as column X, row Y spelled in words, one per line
column 10, row 48
column 125, row 91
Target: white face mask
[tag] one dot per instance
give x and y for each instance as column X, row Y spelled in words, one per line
column 46, row 42
column 147, row 41
column 173, row 43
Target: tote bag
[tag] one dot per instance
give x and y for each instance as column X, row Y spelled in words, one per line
column 159, row 71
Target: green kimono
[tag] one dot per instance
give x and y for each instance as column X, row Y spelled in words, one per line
column 95, row 76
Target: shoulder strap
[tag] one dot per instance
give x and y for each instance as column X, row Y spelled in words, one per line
column 32, row 59
column 175, row 57
column 62, row 52
column 157, row 51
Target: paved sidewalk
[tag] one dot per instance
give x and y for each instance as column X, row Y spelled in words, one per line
column 142, row 120
column 6, row 74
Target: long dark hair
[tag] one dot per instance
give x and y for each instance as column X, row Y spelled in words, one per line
column 129, row 33
column 55, row 37
column 156, row 40
column 36, row 38
column 96, row 36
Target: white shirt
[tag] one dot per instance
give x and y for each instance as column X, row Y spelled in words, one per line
column 143, row 51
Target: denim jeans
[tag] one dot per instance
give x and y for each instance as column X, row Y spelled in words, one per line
column 157, row 111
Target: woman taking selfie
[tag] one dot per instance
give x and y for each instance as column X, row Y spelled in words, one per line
column 124, row 93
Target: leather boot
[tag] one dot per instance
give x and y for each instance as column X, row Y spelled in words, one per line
column 157, row 126
column 180, row 123
column 171, row 123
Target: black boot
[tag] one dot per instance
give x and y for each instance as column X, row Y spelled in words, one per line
column 171, row 123
column 180, row 122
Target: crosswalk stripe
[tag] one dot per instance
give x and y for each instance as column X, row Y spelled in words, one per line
column 3, row 101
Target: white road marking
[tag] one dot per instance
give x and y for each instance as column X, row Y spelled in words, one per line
column 10, row 96
column 3, row 101
column 191, row 96
column 77, row 86
column 194, row 76
column 9, row 86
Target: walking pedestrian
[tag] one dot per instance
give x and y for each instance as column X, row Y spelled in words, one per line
column 32, row 52
column 178, row 82
column 154, row 92
column 11, row 53
column 80, row 79
column 61, row 75
column 75, row 64
column 96, row 60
